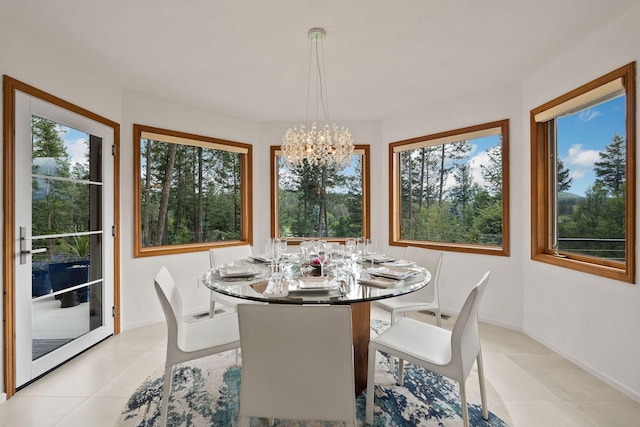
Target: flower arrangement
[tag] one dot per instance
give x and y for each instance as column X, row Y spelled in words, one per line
column 319, row 260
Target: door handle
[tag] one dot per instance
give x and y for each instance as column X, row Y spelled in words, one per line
column 23, row 245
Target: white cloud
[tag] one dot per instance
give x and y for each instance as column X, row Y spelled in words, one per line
column 77, row 150
column 580, row 164
column 581, row 158
column 588, row 115
column 476, row 171
column 577, row 173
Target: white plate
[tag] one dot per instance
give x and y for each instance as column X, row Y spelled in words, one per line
column 380, row 282
column 378, row 258
column 237, row 271
column 398, row 263
column 397, row 273
column 316, row 284
column 260, row 258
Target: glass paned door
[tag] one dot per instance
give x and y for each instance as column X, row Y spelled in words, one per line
column 63, row 243
column 66, row 234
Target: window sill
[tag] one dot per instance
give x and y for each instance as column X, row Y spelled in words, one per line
column 621, row 274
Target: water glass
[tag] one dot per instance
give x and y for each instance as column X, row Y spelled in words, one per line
column 361, row 248
column 350, row 247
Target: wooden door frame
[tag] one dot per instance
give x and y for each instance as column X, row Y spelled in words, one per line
column 10, row 86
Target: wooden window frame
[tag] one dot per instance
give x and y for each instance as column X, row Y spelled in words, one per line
column 366, row 205
column 542, row 180
column 443, row 138
column 196, row 140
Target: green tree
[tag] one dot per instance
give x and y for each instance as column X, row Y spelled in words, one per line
column 611, row 169
column 563, row 178
column 52, row 208
column 492, row 171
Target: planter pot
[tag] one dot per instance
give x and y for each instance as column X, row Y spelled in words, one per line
column 40, row 284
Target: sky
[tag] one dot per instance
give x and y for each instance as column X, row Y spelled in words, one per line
column 479, row 156
column 75, row 143
column 583, row 135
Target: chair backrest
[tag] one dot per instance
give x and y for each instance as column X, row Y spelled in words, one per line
column 228, row 254
column 432, row 261
column 297, row 362
column 465, row 338
column 171, row 303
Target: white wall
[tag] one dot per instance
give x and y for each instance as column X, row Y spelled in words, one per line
column 590, row 320
column 502, row 303
column 139, row 301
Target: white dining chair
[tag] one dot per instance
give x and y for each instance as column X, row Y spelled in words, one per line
column 222, row 256
column 447, row 353
column 297, row 363
column 425, row 299
column 189, row 340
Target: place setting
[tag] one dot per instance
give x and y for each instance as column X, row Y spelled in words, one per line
column 237, row 273
column 387, row 276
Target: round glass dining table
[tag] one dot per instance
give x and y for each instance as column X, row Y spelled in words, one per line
column 356, row 284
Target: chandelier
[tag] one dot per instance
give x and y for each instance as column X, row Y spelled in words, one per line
column 318, row 144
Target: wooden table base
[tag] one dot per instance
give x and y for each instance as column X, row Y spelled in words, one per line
column 361, row 326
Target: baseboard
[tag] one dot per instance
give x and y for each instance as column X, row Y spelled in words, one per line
column 488, row 321
column 632, row 394
column 3, row 398
column 130, row 326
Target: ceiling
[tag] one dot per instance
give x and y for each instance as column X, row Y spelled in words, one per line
column 250, row 58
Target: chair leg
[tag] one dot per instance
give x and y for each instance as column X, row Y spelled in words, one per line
column 483, row 390
column 392, row 359
column 463, row 405
column 166, row 393
column 371, row 371
column 212, row 307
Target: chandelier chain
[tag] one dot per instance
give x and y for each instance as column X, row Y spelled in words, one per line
column 316, row 145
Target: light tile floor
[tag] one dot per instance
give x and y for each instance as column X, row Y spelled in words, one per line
column 536, row 386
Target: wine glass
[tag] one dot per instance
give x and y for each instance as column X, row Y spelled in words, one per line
column 315, row 246
column 361, row 248
column 350, row 246
column 276, row 248
column 284, row 245
column 306, row 247
column 373, row 249
column 324, row 258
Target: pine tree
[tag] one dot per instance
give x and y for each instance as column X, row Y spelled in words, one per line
column 563, row 179
column 611, row 169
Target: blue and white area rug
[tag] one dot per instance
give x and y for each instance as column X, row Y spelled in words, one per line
column 206, row 392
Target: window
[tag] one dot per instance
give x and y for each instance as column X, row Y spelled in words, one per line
column 320, row 201
column 450, row 190
column 583, row 178
column 191, row 192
